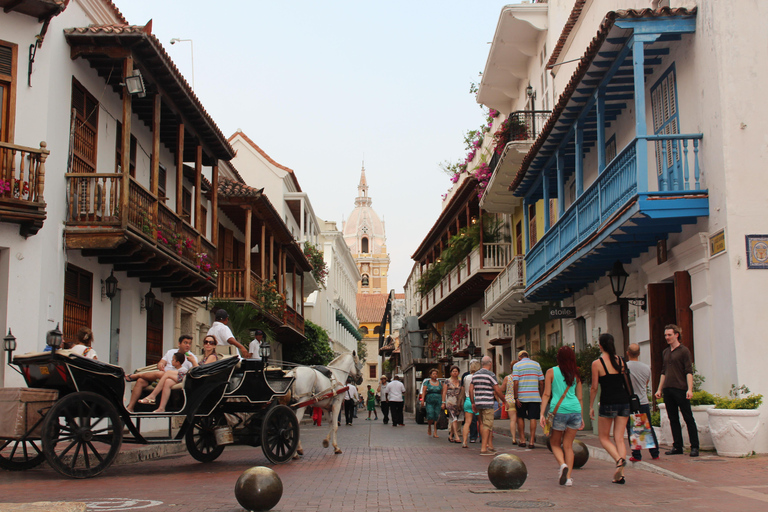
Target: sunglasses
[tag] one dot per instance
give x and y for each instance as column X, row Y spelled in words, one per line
column 209, row 342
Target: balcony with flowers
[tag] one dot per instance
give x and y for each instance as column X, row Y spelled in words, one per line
column 22, row 184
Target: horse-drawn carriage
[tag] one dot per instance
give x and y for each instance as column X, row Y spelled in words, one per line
column 73, row 414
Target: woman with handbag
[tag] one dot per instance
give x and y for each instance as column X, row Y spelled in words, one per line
column 608, row 371
column 563, row 386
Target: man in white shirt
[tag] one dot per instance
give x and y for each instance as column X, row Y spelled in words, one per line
column 350, row 402
column 145, row 379
column 253, row 348
column 223, row 334
column 395, row 392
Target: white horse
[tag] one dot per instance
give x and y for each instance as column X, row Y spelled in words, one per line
column 311, row 383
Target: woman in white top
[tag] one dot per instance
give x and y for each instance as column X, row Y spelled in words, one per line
column 82, row 346
column 468, row 413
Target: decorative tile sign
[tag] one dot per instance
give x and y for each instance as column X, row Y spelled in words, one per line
column 717, row 243
column 757, row 251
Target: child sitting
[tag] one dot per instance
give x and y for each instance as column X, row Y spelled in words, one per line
column 167, row 381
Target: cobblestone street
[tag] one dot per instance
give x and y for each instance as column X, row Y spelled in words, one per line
column 391, row 469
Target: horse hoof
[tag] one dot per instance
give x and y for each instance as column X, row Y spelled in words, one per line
column 299, row 452
column 325, row 443
column 337, row 451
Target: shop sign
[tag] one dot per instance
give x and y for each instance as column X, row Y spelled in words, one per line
column 556, row 312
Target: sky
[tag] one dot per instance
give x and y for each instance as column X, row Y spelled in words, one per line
column 323, row 86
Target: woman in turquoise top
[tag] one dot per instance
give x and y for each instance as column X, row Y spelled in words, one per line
column 432, row 397
column 563, row 378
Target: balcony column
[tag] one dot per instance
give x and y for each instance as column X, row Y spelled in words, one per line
column 215, row 206
column 271, row 274
column 293, row 283
column 155, row 163
column 545, row 189
column 579, row 163
column 263, row 251
column 560, row 162
column 641, row 129
column 247, row 280
column 302, row 294
column 125, row 144
column 482, row 248
column 526, row 225
column 600, row 111
column 198, row 187
column 301, row 228
column 179, row 168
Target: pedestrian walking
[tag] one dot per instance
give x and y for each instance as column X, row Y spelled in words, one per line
column 528, row 381
column 371, row 404
column 382, row 392
column 350, row 402
column 676, row 385
column 482, row 390
column 452, row 393
column 562, row 387
column 640, row 375
column 395, row 392
column 614, row 403
column 469, row 431
column 430, row 397
column 508, row 388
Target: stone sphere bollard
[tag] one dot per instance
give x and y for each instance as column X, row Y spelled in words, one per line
column 507, row 471
column 258, row 488
column 580, row 453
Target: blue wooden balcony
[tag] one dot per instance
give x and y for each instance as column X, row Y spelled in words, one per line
column 613, row 219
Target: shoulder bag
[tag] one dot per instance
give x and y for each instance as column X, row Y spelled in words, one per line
column 551, row 415
column 634, row 400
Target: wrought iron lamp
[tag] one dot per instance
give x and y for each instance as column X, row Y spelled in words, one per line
column 265, row 351
column 148, row 302
column 618, row 277
column 9, row 344
column 471, row 350
column 53, row 338
column 110, row 286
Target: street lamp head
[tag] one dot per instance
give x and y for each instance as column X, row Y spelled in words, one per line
column 618, row 277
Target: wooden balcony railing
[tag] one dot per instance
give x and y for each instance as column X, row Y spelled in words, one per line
column 94, row 202
column 22, row 171
column 294, row 319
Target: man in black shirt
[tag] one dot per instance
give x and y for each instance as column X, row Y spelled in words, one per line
column 677, row 386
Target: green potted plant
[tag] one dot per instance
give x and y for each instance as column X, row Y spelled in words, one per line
column 734, row 422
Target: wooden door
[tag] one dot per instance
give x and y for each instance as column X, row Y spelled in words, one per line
column 683, row 312
column 155, row 333
column 661, row 312
column 78, row 297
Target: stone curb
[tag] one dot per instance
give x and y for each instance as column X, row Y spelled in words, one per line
column 148, row 452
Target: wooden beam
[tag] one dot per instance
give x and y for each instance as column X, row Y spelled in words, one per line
column 198, row 187
column 155, row 170
column 248, row 243
column 215, row 205
column 263, row 250
column 125, row 144
column 113, row 52
column 179, row 168
column 271, row 258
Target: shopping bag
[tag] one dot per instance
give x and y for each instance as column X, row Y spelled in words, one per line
column 641, row 436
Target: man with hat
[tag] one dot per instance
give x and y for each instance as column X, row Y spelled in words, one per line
column 223, row 334
column 255, row 345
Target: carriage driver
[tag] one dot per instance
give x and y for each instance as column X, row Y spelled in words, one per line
column 145, row 379
column 223, row 334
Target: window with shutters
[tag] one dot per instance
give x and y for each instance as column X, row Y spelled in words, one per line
column 610, row 149
column 8, row 55
column 162, row 180
column 86, row 123
column 78, row 297
column 371, row 371
column 532, row 234
column 519, row 238
column 665, row 119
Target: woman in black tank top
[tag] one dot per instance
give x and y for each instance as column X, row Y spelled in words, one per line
column 608, row 371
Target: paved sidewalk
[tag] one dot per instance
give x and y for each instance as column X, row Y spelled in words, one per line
column 385, row 469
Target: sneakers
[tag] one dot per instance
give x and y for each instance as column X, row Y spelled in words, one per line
column 633, row 459
column 569, row 482
column 563, row 473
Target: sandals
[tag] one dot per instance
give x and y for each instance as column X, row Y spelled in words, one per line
column 531, row 446
column 618, row 477
column 521, row 444
column 147, row 401
column 128, row 377
column 620, row 481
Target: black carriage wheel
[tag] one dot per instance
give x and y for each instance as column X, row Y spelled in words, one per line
column 17, row 455
column 201, row 437
column 280, row 434
column 82, row 434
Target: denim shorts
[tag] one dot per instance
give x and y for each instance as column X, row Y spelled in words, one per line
column 613, row 410
column 570, row 420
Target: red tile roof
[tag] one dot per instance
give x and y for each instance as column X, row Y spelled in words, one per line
column 371, row 306
column 400, row 296
column 265, row 155
column 586, row 60
column 572, row 19
column 230, row 188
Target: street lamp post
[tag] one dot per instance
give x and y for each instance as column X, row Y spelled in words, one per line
column 192, row 53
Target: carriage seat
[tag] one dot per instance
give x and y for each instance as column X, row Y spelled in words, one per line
column 210, row 368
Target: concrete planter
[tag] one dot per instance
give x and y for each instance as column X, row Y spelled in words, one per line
column 702, row 426
column 734, row 431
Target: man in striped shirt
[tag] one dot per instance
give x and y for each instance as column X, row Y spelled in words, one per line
column 483, row 388
column 528, row 386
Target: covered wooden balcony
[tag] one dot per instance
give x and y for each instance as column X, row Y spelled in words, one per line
column 267, row 250
column 22, row 183
column 505, row 298
column 112, row 215
column 650, row 188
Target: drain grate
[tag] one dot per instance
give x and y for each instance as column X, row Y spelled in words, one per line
column 520, row 504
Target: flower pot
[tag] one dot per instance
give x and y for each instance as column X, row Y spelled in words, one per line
column 702, row 426
column 734, row 431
